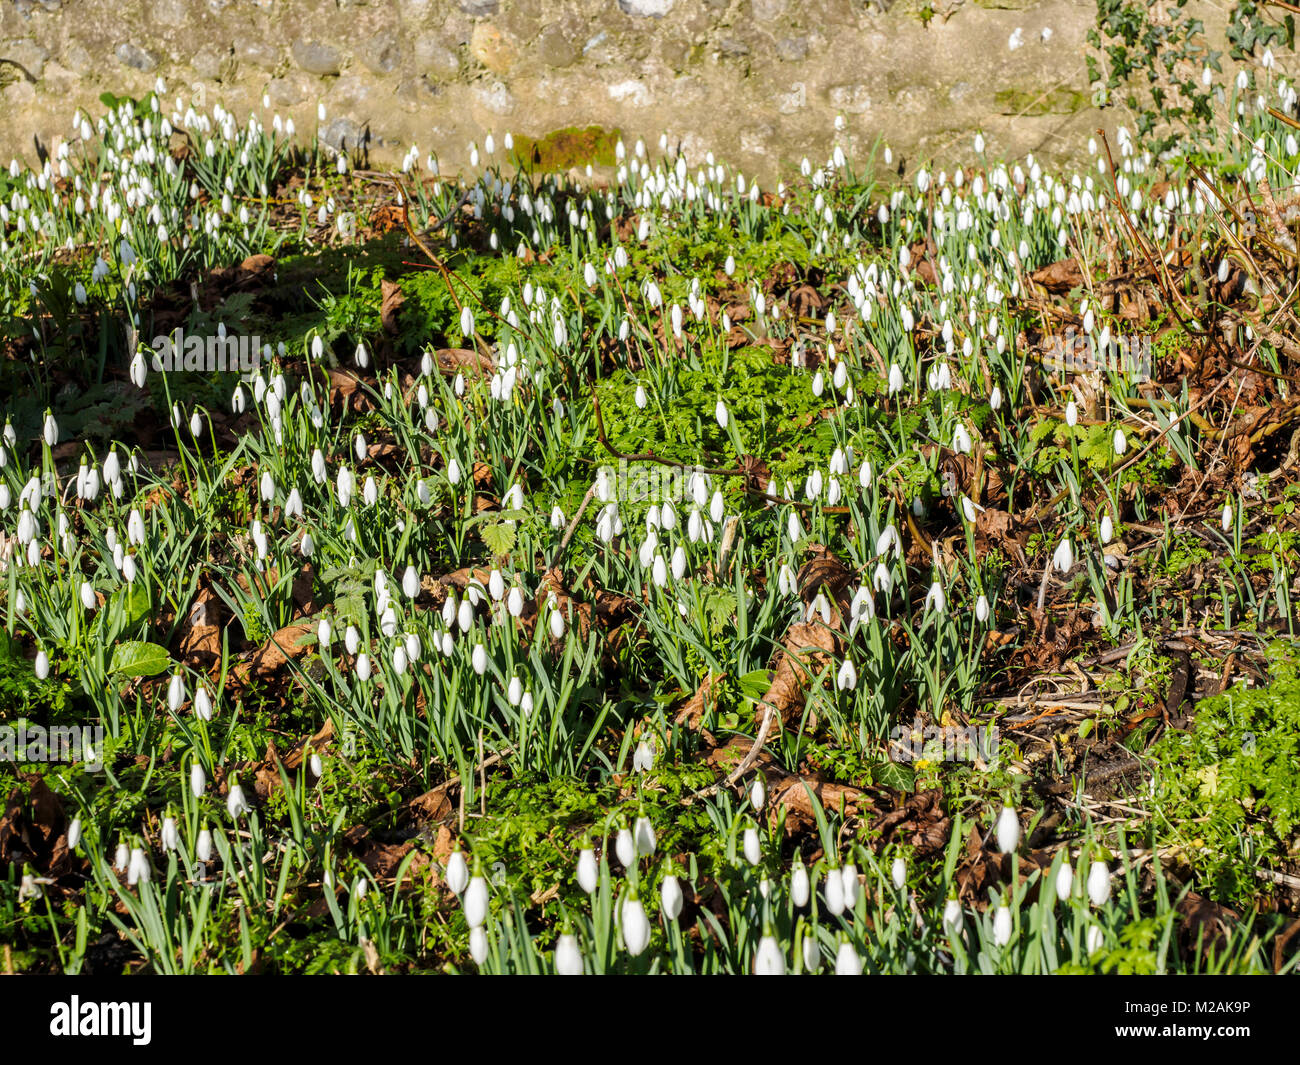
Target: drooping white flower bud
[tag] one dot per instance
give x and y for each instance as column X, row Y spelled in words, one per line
column 1008, row 831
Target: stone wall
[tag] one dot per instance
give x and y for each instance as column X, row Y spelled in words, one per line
column 757, row 81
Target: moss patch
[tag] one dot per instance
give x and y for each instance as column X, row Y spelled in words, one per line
column 568, row 147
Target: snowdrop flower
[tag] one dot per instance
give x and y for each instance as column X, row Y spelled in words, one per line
column 1099, row 883
column 1064, row 881
column 478, row 659
column 42, row 665
column 635, row 925
column 478, row 943
column 74, row 833
column 457, row 874
column 568, row 956
column 203, row 848
column 88, row 599
column 644, row 835
column 1002, row 926
column 625, row 848
column 898, row 873
column 952, row 918
column 895, row 379
column 588, row 875
column 1107, row 529
column 758, row 793
column 800, row 886
column 834, row 892
column 175, row 692
column 475, row 902
column 1226, row 521
column 720, row 412
column 1071, row 414
column 670, row 897
column 1096, row 939
column 1063, row 556
column 995, row 398
column 1120, row 442
column 768, row 960
column 752, row 846
column 138, row 871
column 982, row 609
column 961, row 441
column 50, row 430
column 363, row 667
column 170, row 836
column 1008, row 831
column 236, row 804
column 847, row 678
column 198, row 780
column 934, row 598
column 847, row 962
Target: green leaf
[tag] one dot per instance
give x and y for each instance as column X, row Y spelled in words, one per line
column 139, row 658
column 498, row 537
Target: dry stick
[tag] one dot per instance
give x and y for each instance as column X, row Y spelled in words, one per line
column 573, row 525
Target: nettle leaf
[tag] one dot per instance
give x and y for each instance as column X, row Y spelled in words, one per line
column 139, row 658
column 498, row 536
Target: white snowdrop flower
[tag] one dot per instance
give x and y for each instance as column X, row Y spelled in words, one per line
column 625, row 847
column 644, row 836
column 934, row 598
column 1119, row 442
column 982, row 609
column 198, row 780
column 203, row 848
column 1099, row 883
column 74, row 833
column 670, row 897
column 317, row 348
column 758, row 793
column 1107, row 529
column 952, row 918
column 588, row 874
column 794, row 529
column 1096, row 939
column 1226, row 519
column 475, row 902
column 1002, row 926
column 895, row 378
column 515, row 602
column 88, row 599
column 50, row 430
column 847, row 678
column 1063, row 556
column 370, row 492
column 768, row 959
column 236, row 804
column 202, row 704
column 635, row 926
column 995, row 398
column 898, row 873
column 641, row 398
column 1008, row 831
column 363, row 667
column 175, row 692
column 399, row 660
column 720, row 413
column 138, row 871
column 457, row 874
column 514, row 691
column 135, row 528
column 752, row 846
column 1064, row 881
column 568, row 956
column 961, row 441
column 170, row 835
column 833, row 889
column 266, row 487
column 847, row 961
column 1071, row 414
